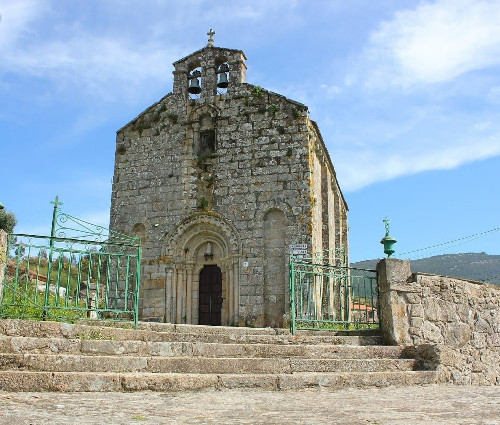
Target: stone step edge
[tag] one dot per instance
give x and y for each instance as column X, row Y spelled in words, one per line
column 200, row 365
column 58, row 345
column 174, row 327
column 126, row 335
column 48, row 328
column 22, row 381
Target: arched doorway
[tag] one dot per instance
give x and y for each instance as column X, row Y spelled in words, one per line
column 204, row 250
column 210, row 296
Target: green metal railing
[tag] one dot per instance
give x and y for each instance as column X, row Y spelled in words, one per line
column 93, row 274
column 327, row 296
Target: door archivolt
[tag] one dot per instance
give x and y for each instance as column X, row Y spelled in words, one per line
column 194, row 252
column 197, row 226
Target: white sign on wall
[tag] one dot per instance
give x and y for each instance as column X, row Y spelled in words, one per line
column 298, row 246
column 298, row 249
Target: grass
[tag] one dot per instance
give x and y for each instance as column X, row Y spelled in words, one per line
column 27, row 303
column 94, row 335
column 24, row 301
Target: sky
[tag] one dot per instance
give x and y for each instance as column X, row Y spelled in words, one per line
column 406, row 95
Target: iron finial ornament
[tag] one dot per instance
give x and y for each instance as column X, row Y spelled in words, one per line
column 54, row 218
column 387, row 224
column 211, row 34
column 56, row 202
column 388, row 241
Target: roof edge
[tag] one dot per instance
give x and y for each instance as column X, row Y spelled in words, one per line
column 330, row 162
column 210, row 47
column 144, row 112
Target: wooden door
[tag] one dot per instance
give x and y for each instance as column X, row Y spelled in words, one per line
column 210, row 296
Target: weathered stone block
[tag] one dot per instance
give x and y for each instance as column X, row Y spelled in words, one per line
column 452, row 314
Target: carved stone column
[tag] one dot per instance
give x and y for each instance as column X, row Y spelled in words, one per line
column 236, row 300
column 230, row 296
column 173, row 297
column 168, row 293
column 189, row 293
column 179, row 293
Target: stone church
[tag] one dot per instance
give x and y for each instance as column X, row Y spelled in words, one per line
column 219, row 178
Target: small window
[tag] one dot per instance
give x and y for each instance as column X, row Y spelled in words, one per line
column 140, row 231
column 207, row 142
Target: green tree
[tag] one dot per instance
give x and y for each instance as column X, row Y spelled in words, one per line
column 7, row 220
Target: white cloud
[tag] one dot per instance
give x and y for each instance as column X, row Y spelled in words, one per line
column 43, row 40
column 494, row 94
column 424, row 126
column 99, row 218
column 357, row 169
column 110, row 63
column 436, row 42
column 483, row 125
column 95, row 64
column 331, row 90
column 16, row 17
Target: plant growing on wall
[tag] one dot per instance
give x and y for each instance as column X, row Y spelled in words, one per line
column 210, row 181
column 203, row 204
column 257, row 91
column 273, row 109
column 173, row 118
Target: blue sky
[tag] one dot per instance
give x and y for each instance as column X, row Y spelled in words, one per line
column 406, row 94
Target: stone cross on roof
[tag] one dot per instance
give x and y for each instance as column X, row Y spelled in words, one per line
column 211, row 34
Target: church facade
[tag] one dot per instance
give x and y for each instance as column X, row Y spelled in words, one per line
column 219, row 179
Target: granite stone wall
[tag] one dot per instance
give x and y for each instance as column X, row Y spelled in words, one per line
column 453, row 323
column 196, row 203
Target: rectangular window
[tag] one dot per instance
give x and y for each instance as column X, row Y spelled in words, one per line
column 207, row 142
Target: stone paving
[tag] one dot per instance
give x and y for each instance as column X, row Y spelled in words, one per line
column 434, row 404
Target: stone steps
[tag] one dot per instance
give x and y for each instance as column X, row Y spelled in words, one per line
column 85, row 381
column 181, row 333
column 50, row 356
column 52, row 345
column 80, row 363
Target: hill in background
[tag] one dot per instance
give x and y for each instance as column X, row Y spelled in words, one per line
column 475, row 266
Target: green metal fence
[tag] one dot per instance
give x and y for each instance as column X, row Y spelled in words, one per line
column 325, row 295
column 93, row 274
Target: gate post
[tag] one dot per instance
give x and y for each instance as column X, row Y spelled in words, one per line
column 394, row 322
column 3, row 259
column 51, row 252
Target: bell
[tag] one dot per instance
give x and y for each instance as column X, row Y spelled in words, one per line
column 194, row 86
column 222, row 84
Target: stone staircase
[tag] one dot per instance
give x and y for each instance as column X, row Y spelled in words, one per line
column 50, row 356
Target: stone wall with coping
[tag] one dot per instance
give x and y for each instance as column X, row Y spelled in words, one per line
column 3, row 258
column 454, row 323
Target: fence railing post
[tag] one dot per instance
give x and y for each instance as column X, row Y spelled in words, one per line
column 292, row 296
column 3, row 260
column 327, row 295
